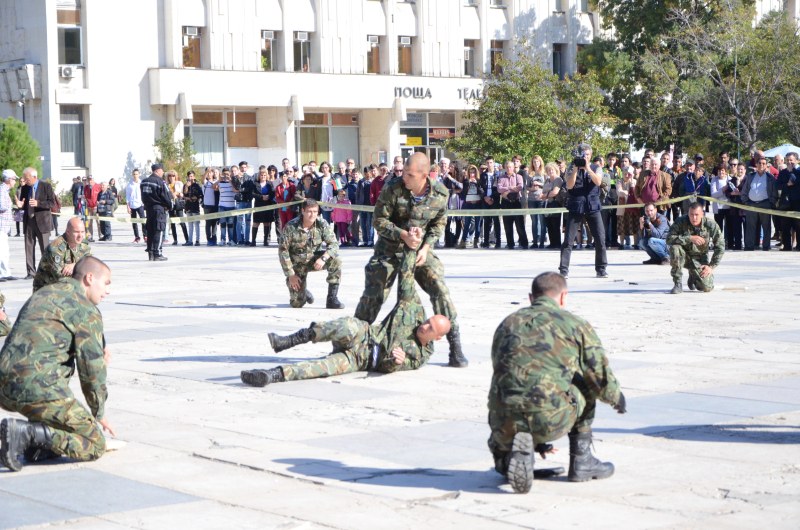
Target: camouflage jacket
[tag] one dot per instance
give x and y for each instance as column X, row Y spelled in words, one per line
column 57, row 331
column 681, row 231
column 536, row 353
column 56, row 255
column 298, row 245
column 396, row 211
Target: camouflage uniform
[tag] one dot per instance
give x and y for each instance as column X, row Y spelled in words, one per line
column 684, row 253
column 549, row 370
column 359, row 346
column 56, row 255
column 57, row 331
column 395, row 211
column 300, row 248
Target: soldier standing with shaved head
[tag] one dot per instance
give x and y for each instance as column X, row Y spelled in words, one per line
column 411, row 201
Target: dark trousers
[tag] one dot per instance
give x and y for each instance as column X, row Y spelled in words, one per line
column 155, row 226
column 510, row 221
column 610, row 226
column 105, row 227
column 179, row 213
column 721, row 219
column 488, row 223
column 32, row 236
column 756, row 222
column 787, row 224
column 574, row 222
column 734, row 225
column 137, row 212
column 553, row 221
column 211, row 225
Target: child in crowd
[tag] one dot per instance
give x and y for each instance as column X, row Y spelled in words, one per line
column 342, row 217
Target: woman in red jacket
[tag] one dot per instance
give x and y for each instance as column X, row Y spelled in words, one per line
column 285, row 192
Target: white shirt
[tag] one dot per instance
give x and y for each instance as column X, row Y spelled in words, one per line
column 758, row 187
column 133, row 195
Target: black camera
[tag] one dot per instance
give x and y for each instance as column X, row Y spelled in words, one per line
column 579, row 162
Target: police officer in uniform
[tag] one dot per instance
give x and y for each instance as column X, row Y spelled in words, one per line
column 157, row 201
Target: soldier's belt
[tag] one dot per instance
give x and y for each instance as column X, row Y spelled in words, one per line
column 450, row 213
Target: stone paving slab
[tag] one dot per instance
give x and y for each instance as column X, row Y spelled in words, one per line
column 710, row 439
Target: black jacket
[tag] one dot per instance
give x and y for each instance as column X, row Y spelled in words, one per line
column 155, row 193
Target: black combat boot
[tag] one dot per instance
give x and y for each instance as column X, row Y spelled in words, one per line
column 520, row 463
column 691, row 284
column 289, row 341
column 677, row 288
column 583, row 465
column 150, row 255
column 18, row 436
column 333, row 301
column 263, row 377
column 457, row 359
column 309, row 297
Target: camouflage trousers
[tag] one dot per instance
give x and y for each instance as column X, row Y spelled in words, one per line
column 333, row 266
column 380, row 274
column 565, row 411
column 350, row 339
column 76, row 433
column 680, row 259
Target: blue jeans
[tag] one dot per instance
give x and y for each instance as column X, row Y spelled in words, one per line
column 243, row 222
column 227, row 225
column 655, row 248
column 472, row 225
column 367, row 232
column 538, row 226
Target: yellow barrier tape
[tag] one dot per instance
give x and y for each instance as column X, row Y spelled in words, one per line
column 451, row 213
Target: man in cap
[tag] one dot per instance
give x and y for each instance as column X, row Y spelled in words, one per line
column 157, row 201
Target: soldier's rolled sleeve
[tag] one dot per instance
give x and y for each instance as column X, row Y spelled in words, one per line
column 332, row 245
column 382, row 222
column 436, row 228
column 596, row 371
column 415, row 357
column 90, row 363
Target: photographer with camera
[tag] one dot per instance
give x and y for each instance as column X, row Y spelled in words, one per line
column 653, row 228
column 583, row 204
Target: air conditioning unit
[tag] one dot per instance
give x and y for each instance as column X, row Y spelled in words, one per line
column 301, row 36
column 498, row 3
column 267, row 34
column 405, row 41
column 191, row 31
column 67, row 72
column 372, row 40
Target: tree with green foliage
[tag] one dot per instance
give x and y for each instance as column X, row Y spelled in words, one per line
column 18, row 149
column 526, row 110
column 175, row 154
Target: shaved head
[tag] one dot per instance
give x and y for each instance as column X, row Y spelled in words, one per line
column 418, row 162
column 433, row 329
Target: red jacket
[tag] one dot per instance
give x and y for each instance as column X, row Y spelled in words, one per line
column 375, row 189
column 90, row 194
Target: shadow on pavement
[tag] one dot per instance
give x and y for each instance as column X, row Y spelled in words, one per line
column 244, row 359
column 488, row 481
column 732, row 433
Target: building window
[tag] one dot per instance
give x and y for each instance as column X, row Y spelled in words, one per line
column 191, row 47
column 302, row 51
column 558, row 60
column 332, row 137
column 267, row 50
column 73, row 150
column 404, row 55
column 373, row 54
column 70, row 49
column 469, row 58
column 496, row 56
column 497, row 3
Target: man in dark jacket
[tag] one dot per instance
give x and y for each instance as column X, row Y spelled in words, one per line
column 157, row 201
column 37, row 200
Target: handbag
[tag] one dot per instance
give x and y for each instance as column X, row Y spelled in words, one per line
column 180, row 204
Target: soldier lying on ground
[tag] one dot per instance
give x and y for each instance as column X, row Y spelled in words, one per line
column 58, row 330
column 549, row 370
column 402, row 341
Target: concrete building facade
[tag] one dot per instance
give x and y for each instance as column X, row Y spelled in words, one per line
column 260, row 80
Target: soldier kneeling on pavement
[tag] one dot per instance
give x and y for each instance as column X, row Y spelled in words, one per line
column 402, row 341
column 549, row 370
column 689, row 240
column 301, row 251
column 58, row 330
